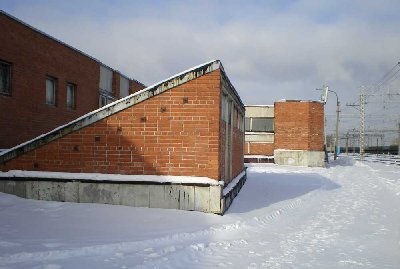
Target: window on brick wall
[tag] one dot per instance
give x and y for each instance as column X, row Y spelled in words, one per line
column 105, row 99
column 106, row 76
column 71, row 95
column 51, row 91
column 102, row 101
column 259, row 124
column 105, row 85
column 5, row 78
column 239, row 119
column 123, row 86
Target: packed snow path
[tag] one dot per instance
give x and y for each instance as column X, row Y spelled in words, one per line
column 345, row 216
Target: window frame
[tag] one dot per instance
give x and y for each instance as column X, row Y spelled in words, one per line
column 106, row 98
column 250, row 123
column 9, row 68
column 102, row 99
column 73, row 86
column 54, row 80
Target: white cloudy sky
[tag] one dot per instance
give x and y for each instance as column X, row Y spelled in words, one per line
column 270, row 49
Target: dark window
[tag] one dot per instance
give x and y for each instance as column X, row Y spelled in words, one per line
column 259, row 124
column 102, row 101
column 5, row 78
column 262, row 125
column 71, row 96
column 105, row 99
column 51, row 91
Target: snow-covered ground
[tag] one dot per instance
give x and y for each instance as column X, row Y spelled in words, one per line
column 344, row 216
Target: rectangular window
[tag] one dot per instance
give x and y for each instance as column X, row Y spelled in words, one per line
column 123, row 87
column 102, row 101
column 262, row 125
column 71, row 96
column 106, row 76
column 5, row 78
column 51, row 91
column 105, row 99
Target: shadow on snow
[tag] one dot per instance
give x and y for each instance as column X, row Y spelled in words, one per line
column 265, row 188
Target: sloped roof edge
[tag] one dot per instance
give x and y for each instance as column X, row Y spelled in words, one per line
column 65, row 44
column 115, row 107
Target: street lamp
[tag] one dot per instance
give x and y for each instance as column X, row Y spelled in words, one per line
column 325, row 98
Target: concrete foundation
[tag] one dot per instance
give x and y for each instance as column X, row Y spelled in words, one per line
column 299, row 158
column 199, row 197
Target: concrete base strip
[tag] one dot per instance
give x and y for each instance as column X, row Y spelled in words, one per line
column 98, row 177
column 300, row 157
column 196, row 197
column 232, row 190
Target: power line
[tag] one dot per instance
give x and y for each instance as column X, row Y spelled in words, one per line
column 388, row 77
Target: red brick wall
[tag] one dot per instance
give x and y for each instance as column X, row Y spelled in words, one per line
column 115, row 84
column 316, row 118
column 161, row 136
column 259, row 148
column 237, row 139
column 238, row 147
column 237, row 152
column 134, row 87
column 299, row 125
column 24, row 115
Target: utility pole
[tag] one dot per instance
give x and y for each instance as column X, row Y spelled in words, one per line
column 324, row 98
column 398, row 142
column 362, row 124
column 337, row 126
column 361, row 109
column 362, row 121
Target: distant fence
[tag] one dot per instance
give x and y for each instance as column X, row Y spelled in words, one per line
column 393, row 150
column 380, row 158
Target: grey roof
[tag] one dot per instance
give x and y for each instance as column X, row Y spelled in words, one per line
column 117, row 106
column 64, row 44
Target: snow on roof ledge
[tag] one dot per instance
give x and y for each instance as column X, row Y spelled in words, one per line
column 259, row 105
column 298, row 100
column 60, row 176
column 115, row 107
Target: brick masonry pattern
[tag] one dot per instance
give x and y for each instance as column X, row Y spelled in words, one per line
column 174, row 133
column 33, row 56
column 299, row 125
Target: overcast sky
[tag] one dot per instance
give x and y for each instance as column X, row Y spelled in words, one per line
column 270, row 50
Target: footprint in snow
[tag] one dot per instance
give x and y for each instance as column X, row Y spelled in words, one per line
column 169, row 249
column 198, row 247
